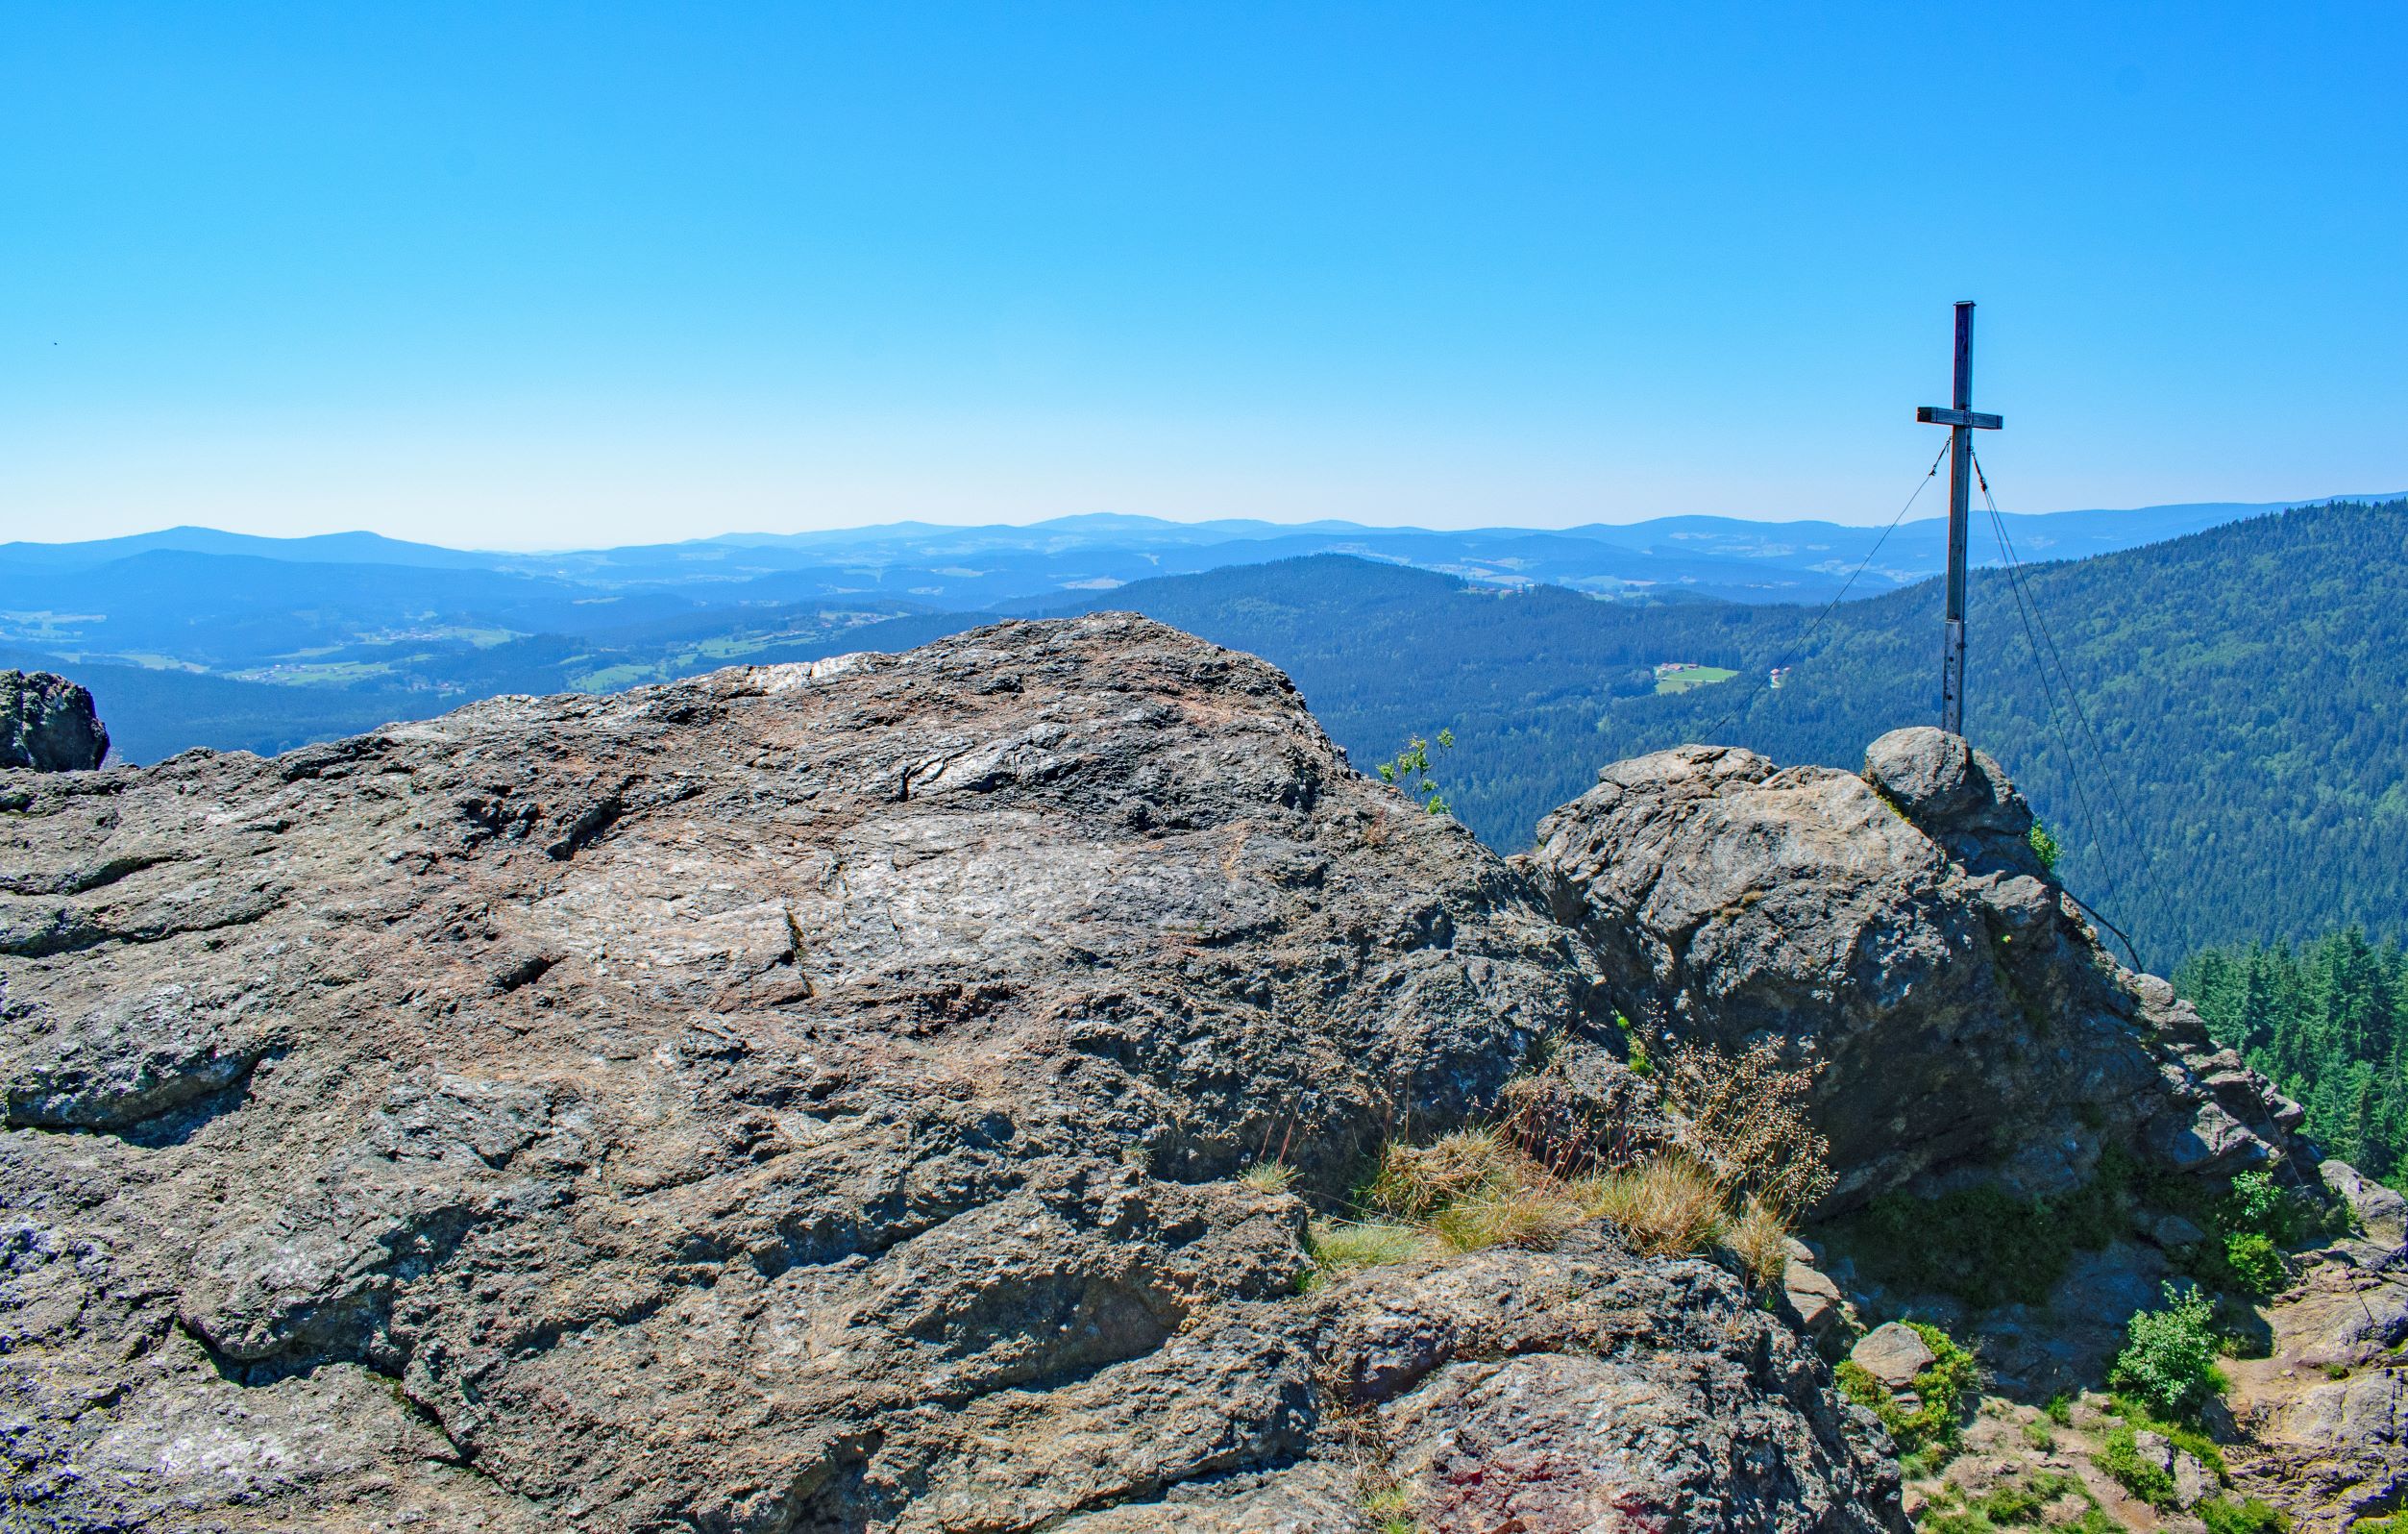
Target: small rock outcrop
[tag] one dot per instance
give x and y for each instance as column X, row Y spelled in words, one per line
column 814, row 1097
column 48, row 724
column 1893, row 1354
column 1897, row 930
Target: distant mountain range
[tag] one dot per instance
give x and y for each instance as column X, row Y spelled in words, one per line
column 2241, row 773
column 959, row 569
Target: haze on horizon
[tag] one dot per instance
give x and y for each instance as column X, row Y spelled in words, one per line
column 572, row 276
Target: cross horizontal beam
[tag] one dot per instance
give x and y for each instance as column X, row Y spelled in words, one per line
column 1940, row 416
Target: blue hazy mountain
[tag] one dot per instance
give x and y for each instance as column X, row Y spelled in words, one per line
column 2241, row 680
column 978, row 568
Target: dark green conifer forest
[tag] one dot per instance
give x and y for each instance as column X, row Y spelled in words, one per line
column 2329, row 1021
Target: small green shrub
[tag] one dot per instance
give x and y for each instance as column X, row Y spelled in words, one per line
column 1641, row 1065
column 2118, row 1456
column 2045, row 846
column 1410, row 770
column 2169, row 1357
column 2254, row 1203
column 2251, row 1517
column 2039, row 1436
column 2094, row 1519
column 2254, row 1262
column 2060, row 1408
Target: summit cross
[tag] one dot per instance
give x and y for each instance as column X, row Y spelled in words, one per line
column 1962, row 420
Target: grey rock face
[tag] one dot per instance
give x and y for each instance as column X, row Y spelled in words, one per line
column 2383, row 1212
column 48, row 724
column 1567, row 1391
column 1958, row 794
column 2327, row 1410
column 1896, row 931
column 809, row 1098
column 2174, row 1233
column 1894, row 1354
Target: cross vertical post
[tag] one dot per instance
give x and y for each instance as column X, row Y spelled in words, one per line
column 1962, row 421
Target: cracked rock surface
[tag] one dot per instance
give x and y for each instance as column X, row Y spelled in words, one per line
column 811, row 1098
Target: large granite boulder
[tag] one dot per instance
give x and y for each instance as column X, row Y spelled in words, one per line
column 813, row 1098
column 1896, row 930
column 48, row 724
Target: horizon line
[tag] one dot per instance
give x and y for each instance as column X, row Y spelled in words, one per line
column 1301, row 525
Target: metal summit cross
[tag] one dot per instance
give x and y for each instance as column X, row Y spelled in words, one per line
column 1962, row 421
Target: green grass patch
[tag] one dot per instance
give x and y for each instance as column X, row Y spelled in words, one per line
column 2118, row 1456
column 2181, row 1435
column 2020, row 1503
column 2222, row 1516
column 1690, row 678
column 1341, row 1246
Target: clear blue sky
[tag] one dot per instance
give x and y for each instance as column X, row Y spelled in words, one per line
column 524, row 275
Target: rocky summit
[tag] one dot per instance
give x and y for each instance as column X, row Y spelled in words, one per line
column 815, row 1098
column 890, row 1094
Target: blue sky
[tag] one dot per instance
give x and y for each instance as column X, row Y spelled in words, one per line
column 525, row 275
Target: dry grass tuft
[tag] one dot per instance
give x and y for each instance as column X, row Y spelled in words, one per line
column 1268, row 1176
column 1748, row 1164
column 1664, row 1207
column 1414, row 1182
column 1528, row 1214
column 1761, row 1238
